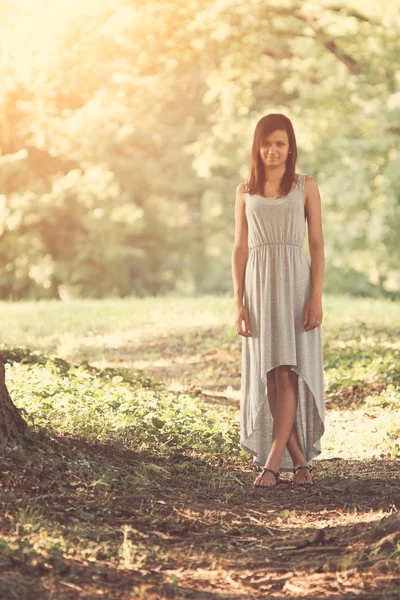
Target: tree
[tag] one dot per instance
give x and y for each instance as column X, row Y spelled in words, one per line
column 12, row 424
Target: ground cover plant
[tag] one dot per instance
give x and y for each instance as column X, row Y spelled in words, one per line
column 132, row 484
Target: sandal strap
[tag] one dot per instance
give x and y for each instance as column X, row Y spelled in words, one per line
column 276, row 473
column 303, row 467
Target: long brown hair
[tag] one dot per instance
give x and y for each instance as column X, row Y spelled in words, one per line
column 264, row 127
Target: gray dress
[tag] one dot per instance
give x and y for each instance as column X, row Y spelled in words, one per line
column 277, row 289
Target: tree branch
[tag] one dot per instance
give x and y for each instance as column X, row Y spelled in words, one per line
column 330, row 44
column 278, row 54
column 290, row 33
column 352, row 12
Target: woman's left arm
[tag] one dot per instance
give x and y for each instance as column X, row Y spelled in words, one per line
column 313, row 313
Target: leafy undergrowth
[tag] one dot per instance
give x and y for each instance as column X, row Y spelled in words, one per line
column 115, row 405
column 128, row 490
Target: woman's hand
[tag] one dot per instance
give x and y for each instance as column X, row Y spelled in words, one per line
column 241, row 315
column 313, row 314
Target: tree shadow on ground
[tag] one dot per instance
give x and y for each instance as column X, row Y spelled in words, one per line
column 83, row 517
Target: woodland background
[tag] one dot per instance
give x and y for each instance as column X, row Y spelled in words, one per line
column 125, row 128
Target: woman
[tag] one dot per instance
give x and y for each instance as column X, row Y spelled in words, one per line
column 278, row 297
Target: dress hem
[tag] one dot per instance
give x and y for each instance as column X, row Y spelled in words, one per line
column 315, row 451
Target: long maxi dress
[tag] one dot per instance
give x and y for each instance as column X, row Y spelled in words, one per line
column 277, row 290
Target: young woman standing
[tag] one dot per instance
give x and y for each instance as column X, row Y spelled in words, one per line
column 278, row 297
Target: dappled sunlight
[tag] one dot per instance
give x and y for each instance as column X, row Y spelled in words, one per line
column 364, row 433
column 144, row 520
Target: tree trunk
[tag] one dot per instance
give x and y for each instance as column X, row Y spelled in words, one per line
column 12, row 425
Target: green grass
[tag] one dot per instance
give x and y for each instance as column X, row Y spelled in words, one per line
column 69, row 327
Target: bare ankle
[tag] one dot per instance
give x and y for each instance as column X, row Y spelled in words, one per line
column 299, row 460
column 271, row 464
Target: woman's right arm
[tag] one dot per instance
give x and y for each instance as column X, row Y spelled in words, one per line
column 240, row 253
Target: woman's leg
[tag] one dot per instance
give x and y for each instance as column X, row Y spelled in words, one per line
column 293, row 444
column 282, row 385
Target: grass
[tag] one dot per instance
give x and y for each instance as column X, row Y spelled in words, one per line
column 134, row 485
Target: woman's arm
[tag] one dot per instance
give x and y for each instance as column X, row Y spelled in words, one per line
column 240, row 253
column 240, row 249
column 316, row 245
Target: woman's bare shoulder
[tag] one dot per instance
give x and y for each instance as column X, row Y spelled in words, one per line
column 309, row 180
column 242, row 187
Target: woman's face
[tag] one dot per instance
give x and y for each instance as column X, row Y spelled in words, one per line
column 275, row 149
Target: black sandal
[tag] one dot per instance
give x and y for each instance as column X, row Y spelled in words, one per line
column 276, row 473
column 297, row 469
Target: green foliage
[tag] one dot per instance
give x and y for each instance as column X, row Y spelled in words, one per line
column 121, row 149
column 99, row 405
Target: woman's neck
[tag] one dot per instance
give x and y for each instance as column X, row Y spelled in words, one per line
column 274, row 175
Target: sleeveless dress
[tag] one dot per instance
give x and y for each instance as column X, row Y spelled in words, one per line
column 276, row 292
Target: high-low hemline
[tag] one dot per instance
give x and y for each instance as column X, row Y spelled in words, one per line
column 309, row 453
